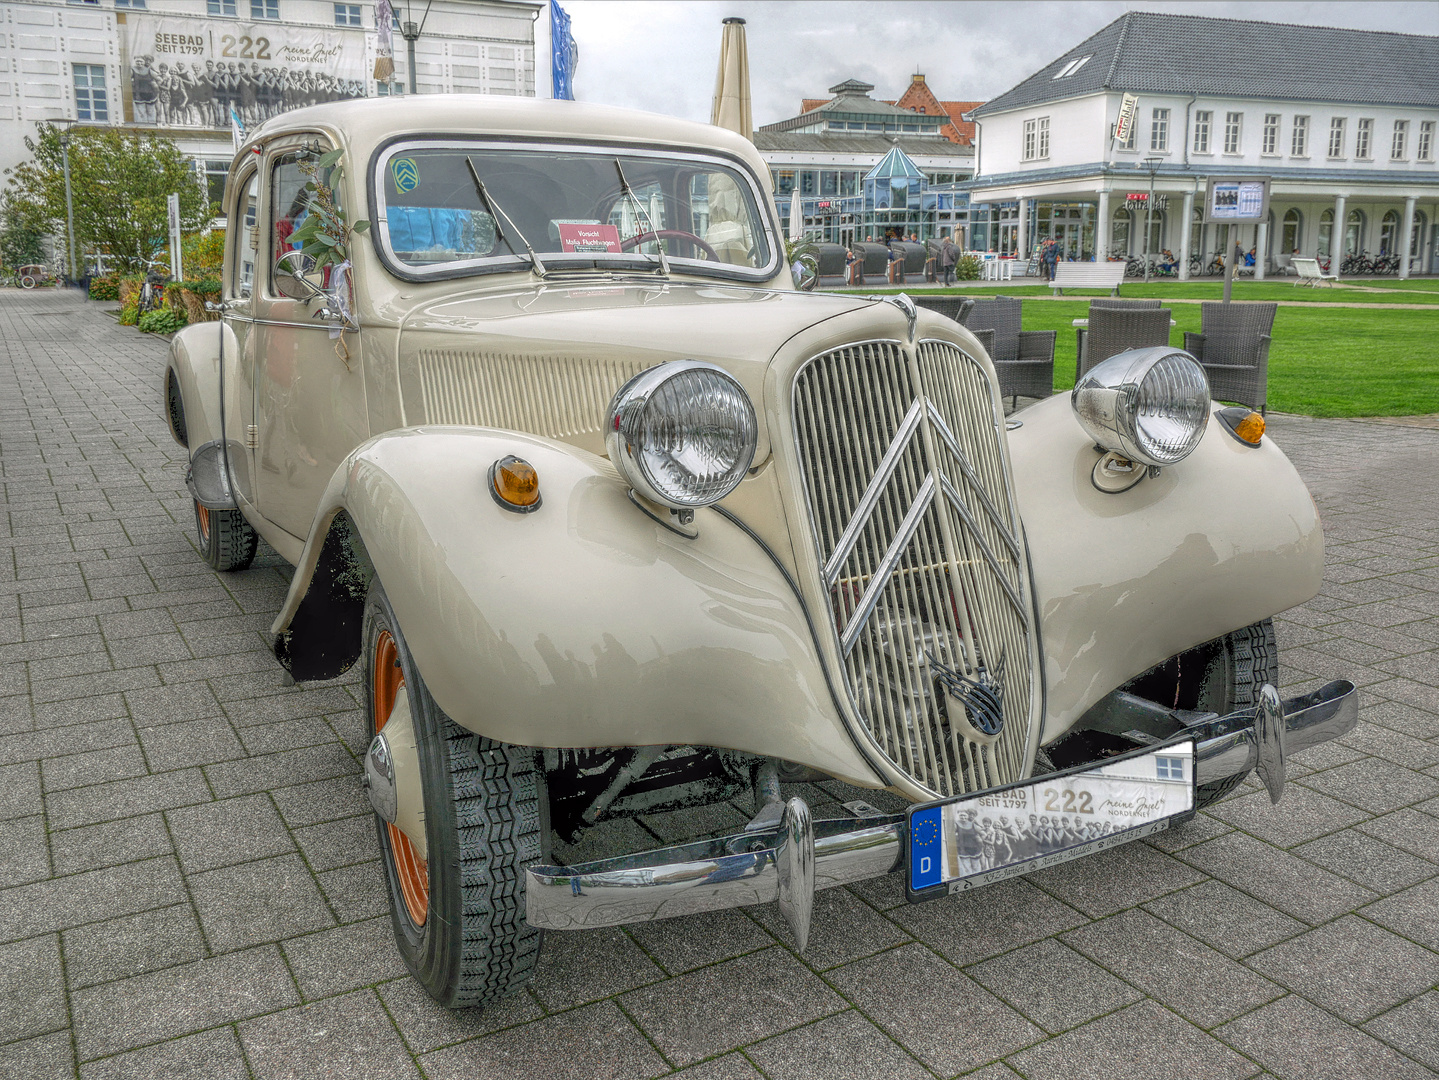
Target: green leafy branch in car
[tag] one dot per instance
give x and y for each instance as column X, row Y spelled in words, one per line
column 325, row 233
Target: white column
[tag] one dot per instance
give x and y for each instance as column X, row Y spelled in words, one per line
column 1336, row 235
column 1102, row 226
column 1184, row 230
column 1261, row 242
column 1021, row 251
column 1404, row 244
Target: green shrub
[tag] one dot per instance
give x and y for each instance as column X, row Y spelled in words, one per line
column 130, row 312
column 105, row 288
column 968, row 268
column 161, row 321
column 203, row 255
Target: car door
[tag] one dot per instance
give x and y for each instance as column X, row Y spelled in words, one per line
column 309, row 400
column 236, row 326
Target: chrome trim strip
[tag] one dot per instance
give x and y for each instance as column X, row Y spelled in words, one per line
column 973, row 477
column 893, row 554
column 963, row 511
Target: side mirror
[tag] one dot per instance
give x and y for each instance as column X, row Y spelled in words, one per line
column 296, row 276
column 805, row 276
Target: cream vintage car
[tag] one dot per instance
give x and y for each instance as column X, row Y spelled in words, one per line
column 616, row 520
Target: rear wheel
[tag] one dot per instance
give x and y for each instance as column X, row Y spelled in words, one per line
column 459, row 913
column 227, row 540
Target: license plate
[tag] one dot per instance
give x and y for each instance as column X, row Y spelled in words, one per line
column 972, row 840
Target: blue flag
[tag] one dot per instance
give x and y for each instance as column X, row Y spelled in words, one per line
column 564, row 53
column 925, row 848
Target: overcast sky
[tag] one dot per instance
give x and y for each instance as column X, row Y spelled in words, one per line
column 661, row 55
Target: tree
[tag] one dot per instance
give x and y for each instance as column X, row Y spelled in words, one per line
column 120, row 184
column 22, row 234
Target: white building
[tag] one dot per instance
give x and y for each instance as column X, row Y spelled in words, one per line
column 1342, row 121
column 174, row 67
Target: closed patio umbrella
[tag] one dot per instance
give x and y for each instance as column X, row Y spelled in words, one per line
column 796, row 216
column 732, row 101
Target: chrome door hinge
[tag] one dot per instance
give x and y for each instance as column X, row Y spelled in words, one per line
column 252, row 437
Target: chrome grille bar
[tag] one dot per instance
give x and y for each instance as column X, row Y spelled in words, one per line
column 887, row 565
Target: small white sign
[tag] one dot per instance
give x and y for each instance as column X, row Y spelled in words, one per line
column 1241, row 199
column 1128, row 107
column 176, row 270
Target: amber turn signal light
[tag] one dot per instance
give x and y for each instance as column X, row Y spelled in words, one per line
column 1244, row 424
column 515, row 484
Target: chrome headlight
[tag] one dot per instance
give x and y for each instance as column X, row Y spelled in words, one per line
column 683, row 433
column 1148, row 405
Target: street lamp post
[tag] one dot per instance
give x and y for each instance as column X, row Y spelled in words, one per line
column 1152, row 164
column 69, row 202
column 411, row 33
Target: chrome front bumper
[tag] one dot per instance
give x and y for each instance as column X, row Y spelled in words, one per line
column 791, row 862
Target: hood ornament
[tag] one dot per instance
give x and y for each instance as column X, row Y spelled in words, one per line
column 973, row 703
column 906, row 305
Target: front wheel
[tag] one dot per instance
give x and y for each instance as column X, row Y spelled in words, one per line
column 27, row 281
column 458, row 911
column 227, row 540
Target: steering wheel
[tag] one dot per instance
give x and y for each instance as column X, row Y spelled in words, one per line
column 669, row 234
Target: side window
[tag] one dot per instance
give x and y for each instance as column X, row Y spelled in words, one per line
column 289, row 206
column 245, row 219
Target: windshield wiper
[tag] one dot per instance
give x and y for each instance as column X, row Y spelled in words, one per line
column 497, row 212
column 629, row 191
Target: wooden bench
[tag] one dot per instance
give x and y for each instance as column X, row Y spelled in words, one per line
column 1310, row 274
column 1087, row 275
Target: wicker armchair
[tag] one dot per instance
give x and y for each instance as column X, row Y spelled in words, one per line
column 1023, row 359
column 1116, row 330
column 955, row 307
column 1233, row 346
column 1111, row 302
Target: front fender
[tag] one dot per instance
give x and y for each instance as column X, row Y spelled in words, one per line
column 585, row 623
column 1227, row 537
column 194, row 364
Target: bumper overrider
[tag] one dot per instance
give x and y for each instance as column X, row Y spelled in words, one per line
column 792, row 859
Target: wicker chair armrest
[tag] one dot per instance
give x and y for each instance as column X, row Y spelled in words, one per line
column 1037, row 344
column 1194, row 344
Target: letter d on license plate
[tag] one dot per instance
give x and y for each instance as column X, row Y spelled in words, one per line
column 972, row 840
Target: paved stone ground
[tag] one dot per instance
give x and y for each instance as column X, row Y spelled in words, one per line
column 189, row 885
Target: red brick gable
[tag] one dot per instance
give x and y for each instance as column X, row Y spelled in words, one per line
column 919, row 93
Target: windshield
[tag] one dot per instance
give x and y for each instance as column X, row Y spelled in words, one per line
column 574, row 207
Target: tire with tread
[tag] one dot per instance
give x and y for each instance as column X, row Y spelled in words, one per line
column 227, row 540
column 484, row 823
column 1251, row 658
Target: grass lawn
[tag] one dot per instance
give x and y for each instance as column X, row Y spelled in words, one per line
column 1322, row 362
column 1421, row 292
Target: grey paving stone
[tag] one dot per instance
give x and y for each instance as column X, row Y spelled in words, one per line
column 91, row 847
column 845, row 1044
column 1302, row 814
column 347, row 1038
column 132, row 945
column 190, row 742
column 1412, row 1028
column 1367, row 861
column 338, row 843
column 427, row 1025
column 842, row 928
column 80, row 711
column 1351, row 967
column 1121, row 877
column 24, row 851
column 58, row 903
column 706, row 1012
column 126, row 798
column 281, row 770
column 345, row 958
column 325, row 800
column 95, row 767
column 730, row 1067
column 1414, row 913
column 1225, row 919
column 75, row 739
column 48, row 1057
column 942, row 1017
column 1195, row 981
column 256, row 902
column 691, row 941
column 20, row 790
column 1196, row 830
column 287, row 735
column 594, row 1041
column 986, row 922
column 1376, row 740
column 227, row 832
column 577, row 968
column 1296, row 1040
column 1374, row 785
column 1053, row 985
column 171, row 704
column 32, row 988
column 1143, row 1042
column 1276, row 877
column 210, row 1055
column 1411, row 829
column 356, row 892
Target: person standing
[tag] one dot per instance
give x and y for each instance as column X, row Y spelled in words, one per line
column 948, row 258
column 1050, row 257
column 142, row 89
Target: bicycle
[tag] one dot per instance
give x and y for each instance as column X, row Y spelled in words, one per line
column 152, row 291
column 1215, row 267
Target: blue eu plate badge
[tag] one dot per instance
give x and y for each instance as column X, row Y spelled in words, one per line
column 926, row 847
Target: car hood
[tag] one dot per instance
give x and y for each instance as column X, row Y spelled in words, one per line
column 546, row 359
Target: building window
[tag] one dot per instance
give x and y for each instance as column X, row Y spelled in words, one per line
column 1233, row 127
column 1426, row 141
column 90, row 100
column 1389, row 232
column 1044, row 136
column 1293, row 230
column 1354, row 233
column 1270, row 144
column 347, row 15
column 1399, row 148
column 1071, row 67
column 1036, row 138
column 1336, row 137
column 1119, row 233
column 1203, row 121
column 386, row 89
column 783, row 181
column 1326, row 232
column 1363, row 133
column 264, row 9
column 129, row 3
column 1169, row 768
column 1299, row 140
column 220, row 7
column 1416, row 234
column 1159, row 131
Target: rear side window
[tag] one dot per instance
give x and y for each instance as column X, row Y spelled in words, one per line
column 247, row 203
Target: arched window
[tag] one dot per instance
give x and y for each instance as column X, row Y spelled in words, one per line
column 1354, row 233
column 1416, row 235
column 1326, row 233
column 1293, row 230
column 1389, row 232
column 1196, row 234
column 1156, row 231
column 1119, row 233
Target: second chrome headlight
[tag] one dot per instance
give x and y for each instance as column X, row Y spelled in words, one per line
column 1148, row 405
column 683, row 433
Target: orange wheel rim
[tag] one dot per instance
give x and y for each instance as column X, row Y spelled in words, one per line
column 411, row 871
column 202, row 513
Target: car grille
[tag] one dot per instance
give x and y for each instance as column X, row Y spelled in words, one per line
column 921, row 557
